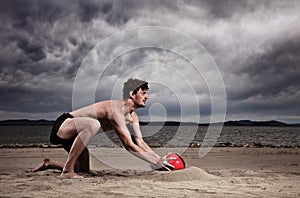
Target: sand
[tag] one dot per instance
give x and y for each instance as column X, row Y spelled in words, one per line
column 224, row 172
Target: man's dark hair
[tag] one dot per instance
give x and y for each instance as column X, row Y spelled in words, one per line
column 133, row 85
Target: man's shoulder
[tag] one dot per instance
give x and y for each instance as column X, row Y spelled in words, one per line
column 109, row 102
column 134, row 116
column 109, row 106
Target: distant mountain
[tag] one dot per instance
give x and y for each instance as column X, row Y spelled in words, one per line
column 167, row 123
column 255, row 123
column 26, row 122
column 228, row 123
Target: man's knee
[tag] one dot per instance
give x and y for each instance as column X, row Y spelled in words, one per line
column 67, row 130
column 93, row 125
column 87, row 124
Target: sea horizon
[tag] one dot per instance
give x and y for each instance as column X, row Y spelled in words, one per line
column 242, row 122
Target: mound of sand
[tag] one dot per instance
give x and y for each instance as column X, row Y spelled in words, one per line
column 188, row 174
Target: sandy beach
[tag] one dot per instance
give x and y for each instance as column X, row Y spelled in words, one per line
column 224, row 172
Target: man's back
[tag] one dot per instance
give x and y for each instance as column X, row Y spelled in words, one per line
column 104, row 112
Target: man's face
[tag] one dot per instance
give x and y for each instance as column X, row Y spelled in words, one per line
column 140, row 98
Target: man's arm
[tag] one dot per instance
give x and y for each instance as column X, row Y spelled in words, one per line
column 138, row 135
column 141, row 149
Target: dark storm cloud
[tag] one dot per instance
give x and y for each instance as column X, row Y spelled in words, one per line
column 274, row 73
column 29, row 26
column 272, row 83
column 254, row 43
column 31, row 100
column 43, row 44
column 256, row 46
column 25, row 62
column 34, row 51
column 228, row 8
column 113, row 12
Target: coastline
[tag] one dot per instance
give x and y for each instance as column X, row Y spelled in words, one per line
column 223, row 172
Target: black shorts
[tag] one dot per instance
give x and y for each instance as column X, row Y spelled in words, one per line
column 54, row 139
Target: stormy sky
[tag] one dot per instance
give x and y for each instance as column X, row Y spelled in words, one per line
column 255, row 46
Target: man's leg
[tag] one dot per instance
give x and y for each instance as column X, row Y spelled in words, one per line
column 49, row 164
column 82, row 164
column 86, row 128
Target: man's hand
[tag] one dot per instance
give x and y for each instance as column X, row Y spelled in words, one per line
column 164, row 164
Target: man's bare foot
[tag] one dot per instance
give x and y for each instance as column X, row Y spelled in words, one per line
column 70, row 175
column 43, row 166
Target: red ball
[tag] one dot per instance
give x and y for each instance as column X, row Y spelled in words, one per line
column 178, row 162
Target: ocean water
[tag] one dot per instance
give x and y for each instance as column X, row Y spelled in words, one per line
column 168, row 136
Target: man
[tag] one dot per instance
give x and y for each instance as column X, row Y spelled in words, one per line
column 75, row 130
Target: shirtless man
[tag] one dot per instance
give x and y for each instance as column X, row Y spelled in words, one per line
column 75, row 130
